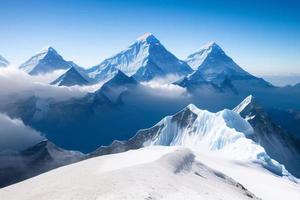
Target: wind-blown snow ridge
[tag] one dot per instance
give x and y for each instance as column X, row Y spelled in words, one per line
column 224, row 133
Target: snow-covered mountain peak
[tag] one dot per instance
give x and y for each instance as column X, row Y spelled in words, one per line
column 148, row 37
column 196, row 59
column 212, row 45
column 145, row 59
column 47, row 49
column 193, row 108
column 45, row 61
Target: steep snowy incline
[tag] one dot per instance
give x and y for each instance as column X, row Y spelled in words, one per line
column 145, row 59
column 224, row 132
column 148, row 173
column 45, row 61
column 3, row 62
column 278, row 143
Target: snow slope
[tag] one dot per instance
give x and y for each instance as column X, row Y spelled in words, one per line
column 148, row 173
column 277, row 142
column 212, row 61
column 145, row 59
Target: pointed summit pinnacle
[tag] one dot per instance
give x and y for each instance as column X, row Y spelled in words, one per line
column 148, row 37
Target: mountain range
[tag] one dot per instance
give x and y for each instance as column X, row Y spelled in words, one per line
column 237, row 139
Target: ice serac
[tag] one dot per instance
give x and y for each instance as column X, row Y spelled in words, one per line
column 73, row 76
column 215, row 66
column 277, row 142
column 145, row 59
column 39, row 158
column 3, row 62
column 45, row 61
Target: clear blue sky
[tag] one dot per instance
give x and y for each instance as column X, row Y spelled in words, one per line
column 262, row 36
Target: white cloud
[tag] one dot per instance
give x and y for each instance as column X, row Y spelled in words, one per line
column 157, row 88
column 14, row 135
column 16, row 81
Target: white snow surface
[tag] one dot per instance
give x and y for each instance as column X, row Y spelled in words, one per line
column 196, row 59
column 224, row 133
column 155, row 172
column 147, row 173
column 146, row 51
column 31, row 63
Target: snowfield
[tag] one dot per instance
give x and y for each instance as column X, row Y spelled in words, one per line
column 155, row 172
column 148, row 173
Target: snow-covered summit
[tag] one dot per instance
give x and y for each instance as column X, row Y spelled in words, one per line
column 145, row 59
column 213, row 65
column 3, row 62
column 148, row 37
column 196, row 59
column 45, row 61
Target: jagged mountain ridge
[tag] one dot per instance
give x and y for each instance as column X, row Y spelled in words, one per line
column 224, row 132
column 278, row 143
